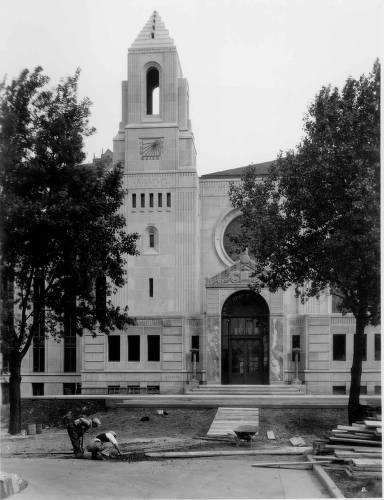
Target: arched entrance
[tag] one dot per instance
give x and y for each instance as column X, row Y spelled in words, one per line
column 245, row 339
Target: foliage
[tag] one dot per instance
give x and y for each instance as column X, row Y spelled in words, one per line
column 314, row 221
column 61, row 228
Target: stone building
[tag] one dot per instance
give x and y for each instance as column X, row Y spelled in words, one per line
column 189, row 287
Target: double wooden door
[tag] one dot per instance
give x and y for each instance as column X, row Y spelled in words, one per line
column 245, row 351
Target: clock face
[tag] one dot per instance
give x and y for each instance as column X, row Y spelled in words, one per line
column 151, row 149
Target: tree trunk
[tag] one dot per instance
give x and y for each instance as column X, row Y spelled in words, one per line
column 355, row 410
column 14, row 396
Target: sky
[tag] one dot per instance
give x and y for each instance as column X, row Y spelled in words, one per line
column 253, row 66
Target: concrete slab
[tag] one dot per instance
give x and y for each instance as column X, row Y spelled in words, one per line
column 199, row 478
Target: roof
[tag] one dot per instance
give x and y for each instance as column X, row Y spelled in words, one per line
column 259, row 168
column 154, row 34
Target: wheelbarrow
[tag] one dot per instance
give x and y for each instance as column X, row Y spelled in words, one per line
column 245, row 434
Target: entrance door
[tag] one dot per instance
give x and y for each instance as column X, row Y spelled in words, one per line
column 246, row 361
column 245, row 340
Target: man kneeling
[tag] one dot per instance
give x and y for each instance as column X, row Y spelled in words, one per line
column 100, row 443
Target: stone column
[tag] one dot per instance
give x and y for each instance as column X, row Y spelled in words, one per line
column 213, row 349
column 276, row 368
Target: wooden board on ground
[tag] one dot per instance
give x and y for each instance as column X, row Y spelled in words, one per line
column 228, row 419
column 372, row 423
column 297, row 441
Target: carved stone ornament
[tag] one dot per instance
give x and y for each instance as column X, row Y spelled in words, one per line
column 236, row 276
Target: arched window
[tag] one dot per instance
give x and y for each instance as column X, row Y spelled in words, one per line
column 153, row 92
column 151, row 240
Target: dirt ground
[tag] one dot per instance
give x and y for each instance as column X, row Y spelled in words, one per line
column 182, row 429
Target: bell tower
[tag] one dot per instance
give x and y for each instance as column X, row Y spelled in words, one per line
column 155, row 131
column 155, row 144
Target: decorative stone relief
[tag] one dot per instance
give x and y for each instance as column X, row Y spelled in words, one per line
column 276, row 351
column 237, row 276
column 213, row 345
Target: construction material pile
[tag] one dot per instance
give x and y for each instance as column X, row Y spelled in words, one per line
column 357, row 449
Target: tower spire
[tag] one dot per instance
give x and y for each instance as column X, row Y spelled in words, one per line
column 154, row 34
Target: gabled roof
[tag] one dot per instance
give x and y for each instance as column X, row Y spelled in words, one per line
column 259, row 168
column 154, row 34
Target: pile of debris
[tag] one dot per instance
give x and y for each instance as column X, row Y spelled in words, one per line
column 357, row 449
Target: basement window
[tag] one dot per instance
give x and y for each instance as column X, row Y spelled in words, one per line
column 153, row 389
column 339, row 390
column 69, row 388
column 113, row 389
column 37, row 389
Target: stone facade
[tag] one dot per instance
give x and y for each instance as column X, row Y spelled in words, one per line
column 178, row 285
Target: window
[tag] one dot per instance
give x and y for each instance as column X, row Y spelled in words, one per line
column 364, row 356
column 377, row 347
column 39, row 337
column 153, row 389
column 113, row 389
column 195, row 344
column 69, row 388
column 153, row 101
column 70, row 327
column 377, row 390
column 101, row 299
column 150, row 287
column 114, row 348
column 151, row 200
column 37, row 389
column 339, row 390
column 295, row 345
column 153, row 347
column 151, row 240
column 168, row 199
column 69, row 354
column 363, row 390
column 142, row 200
column 134, row 200
column 339, row 347
column 133, row 347
column 160, row 200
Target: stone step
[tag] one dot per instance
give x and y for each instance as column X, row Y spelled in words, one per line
column 246, row 389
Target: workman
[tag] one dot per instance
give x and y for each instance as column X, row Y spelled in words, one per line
column 100, row 442
column 76, row 430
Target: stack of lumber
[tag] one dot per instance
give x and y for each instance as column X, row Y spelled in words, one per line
column 356, row 449
column 365, row 434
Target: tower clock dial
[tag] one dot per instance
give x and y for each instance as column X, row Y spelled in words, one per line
column 151, row 149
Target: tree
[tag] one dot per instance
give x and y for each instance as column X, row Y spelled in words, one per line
column 61, row 229
column 314, row 222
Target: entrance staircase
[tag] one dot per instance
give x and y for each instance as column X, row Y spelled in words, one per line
column 249, row 390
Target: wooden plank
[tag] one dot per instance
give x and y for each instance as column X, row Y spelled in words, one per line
column 219, row 453
column 362, row 462
column 228, row 419
column 297, row 441
column 355, row 441
column 372, row 423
